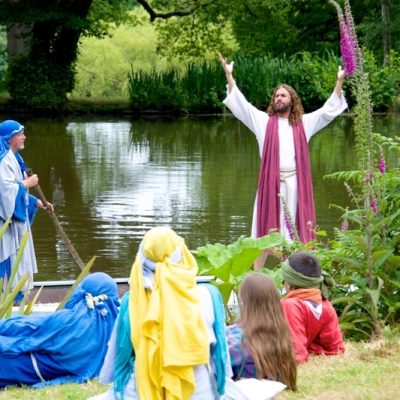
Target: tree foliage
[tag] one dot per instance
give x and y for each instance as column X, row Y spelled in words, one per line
column 43, row 41
column 274, row 27
column 43, row 35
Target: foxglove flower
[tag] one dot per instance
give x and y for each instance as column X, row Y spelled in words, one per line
column 373, row 204
column 347, row 51
column 288, row 226
column 382, row 162
column 288, row 220
column 348, row 40
column 368, row 179
column 352, row 31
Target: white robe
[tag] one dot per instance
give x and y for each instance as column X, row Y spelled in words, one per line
column 257, row 120
column 10, row 175
column 204, row 378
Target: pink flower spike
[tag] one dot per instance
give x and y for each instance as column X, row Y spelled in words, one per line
column 347, row 50
column 382, row 162
column 373, row 205
column 288, row 226
column 368, row 179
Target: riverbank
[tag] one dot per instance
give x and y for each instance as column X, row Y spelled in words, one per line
column 101, row 106
column 90, row 106
column 365, row 371
column 74, row 106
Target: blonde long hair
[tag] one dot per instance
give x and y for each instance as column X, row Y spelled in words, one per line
column 296, row 111
column 265, row 330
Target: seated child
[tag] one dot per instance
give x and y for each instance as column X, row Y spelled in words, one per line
column 260, row 344
column 68, row 345
column 169, row 340
column 311, row 317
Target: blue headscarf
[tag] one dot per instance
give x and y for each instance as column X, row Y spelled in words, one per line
column 8, row 129
column 75, row 337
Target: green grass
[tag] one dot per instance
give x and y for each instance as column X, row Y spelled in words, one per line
column 366, row 371
column 62, row 392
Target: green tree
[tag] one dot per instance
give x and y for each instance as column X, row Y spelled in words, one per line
column 274, row 27
column 379, row 26
column 43, row 38
column 43, row 35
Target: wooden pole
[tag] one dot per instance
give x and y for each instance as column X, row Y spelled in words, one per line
column 58, row 226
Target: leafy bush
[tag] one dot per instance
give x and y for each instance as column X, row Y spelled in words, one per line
column 201, row 86
column 3, row 60
column 39, row 85
column 229, row 264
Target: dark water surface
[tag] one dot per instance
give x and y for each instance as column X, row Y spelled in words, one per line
column 111, row 180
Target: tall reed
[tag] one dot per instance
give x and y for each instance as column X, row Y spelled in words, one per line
column 200, row 87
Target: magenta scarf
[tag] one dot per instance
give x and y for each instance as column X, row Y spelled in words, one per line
column 268, row 201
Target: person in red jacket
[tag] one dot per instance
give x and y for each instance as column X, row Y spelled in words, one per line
column 311, row 317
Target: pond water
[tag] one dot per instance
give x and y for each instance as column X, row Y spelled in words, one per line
column 113, row 179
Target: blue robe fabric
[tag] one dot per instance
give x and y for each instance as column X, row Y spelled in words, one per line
column 23, row 211
column 69, row 345
column 219, row 351
column 125, row 360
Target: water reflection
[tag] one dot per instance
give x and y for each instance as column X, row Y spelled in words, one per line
column 111, row 180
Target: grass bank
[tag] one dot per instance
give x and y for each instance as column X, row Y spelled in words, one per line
column 365, row 371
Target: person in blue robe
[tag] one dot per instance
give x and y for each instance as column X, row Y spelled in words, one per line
column 68, row 345
column 16, row 202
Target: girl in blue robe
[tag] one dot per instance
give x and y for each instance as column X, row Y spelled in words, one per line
column 65, row 346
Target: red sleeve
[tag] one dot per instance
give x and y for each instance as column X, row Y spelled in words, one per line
column 295, row 318
column 330, row 337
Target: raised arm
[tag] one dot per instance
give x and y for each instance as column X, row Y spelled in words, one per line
column 339, row 83
column 228, row 69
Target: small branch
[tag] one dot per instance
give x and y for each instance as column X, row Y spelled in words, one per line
column 177, row 13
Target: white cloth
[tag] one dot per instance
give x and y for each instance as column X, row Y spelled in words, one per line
column 10, row 175
column 253, row 389
column 257, row 120
column 204, row 378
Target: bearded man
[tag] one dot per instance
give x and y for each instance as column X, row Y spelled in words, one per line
column 285, row 191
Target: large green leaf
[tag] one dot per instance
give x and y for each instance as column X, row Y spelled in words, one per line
column 230, row 263
column 379, row 257
column 235, row 259
column 226, row 290
column 6, row 304
column 17, row 261
column 375, row 293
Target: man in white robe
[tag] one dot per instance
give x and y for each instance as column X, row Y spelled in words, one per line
column 257, row 120
column 15, row 201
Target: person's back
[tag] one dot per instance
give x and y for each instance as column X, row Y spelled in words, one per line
column 312, row 319
column 65, row 346
column 260, row 345
column 169, row 326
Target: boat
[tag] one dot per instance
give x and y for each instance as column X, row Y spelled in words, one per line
column 55, row 291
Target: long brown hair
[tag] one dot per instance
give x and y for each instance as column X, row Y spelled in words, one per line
column 296, row 111
column 265, row 330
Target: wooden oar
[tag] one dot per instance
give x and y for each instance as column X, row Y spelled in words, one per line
column 57, row 224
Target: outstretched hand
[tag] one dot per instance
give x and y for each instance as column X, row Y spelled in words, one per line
column 228, row 68
column 341, row 74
